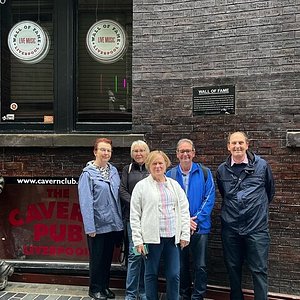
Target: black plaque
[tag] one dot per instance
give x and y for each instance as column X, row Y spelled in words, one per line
column 214, row 100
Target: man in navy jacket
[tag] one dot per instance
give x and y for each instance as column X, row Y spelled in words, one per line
column 246, row 185
column 197, row 182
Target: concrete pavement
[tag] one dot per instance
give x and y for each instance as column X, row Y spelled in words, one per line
column 41, row 291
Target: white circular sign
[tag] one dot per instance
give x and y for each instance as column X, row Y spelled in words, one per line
column 28, row 42
column 106, row 41
column 13, row 106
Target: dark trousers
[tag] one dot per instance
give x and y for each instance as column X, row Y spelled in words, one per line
column 101, row 249
column 197, row 250
column 253, row 248
column 170, row 254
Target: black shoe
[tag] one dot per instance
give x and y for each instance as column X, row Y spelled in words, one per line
column 98, row 296
column 185, row 297
column 108, row 293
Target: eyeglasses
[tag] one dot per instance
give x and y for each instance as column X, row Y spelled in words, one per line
column 187, row 151
column 139, row 151
column 105, row 150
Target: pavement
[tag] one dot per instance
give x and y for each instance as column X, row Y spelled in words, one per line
column 41, row 291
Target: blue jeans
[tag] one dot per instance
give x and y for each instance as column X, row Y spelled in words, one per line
column 135, row 272
column 253, row 248
column 198, row 250
column 171, row 259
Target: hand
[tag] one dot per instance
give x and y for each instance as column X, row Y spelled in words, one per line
column 193, row 225
column 140, row 249
column 183, row 244
column 93, row 234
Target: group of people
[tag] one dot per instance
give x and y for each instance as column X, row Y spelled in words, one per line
column 167, row 216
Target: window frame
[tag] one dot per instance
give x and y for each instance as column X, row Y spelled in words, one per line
column 65, row 71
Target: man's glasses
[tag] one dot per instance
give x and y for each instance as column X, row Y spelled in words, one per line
column 187, row 151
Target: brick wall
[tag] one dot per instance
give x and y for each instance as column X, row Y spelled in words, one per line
column 253, row 45
column 53, row 162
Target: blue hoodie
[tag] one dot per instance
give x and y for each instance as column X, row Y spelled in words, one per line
column 99, row 200
column 201, row 195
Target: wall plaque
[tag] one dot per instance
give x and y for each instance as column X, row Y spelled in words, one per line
column 214, row 100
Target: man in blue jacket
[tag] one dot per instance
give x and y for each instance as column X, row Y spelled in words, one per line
column 246, row 185
column 197, row 182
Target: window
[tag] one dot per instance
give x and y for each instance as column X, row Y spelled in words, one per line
column 104, row 90
column 65, row 88
column 27, row 93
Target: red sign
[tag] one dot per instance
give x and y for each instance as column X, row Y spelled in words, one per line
column 41, row 219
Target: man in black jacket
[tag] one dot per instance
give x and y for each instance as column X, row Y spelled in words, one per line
column 5, row 268
column 246, row 185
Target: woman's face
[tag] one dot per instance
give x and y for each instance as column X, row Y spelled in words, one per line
column 158, row 167
column 139, row 154
column 103, row 152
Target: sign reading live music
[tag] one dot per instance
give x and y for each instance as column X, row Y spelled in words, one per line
column 40, row 219
column 106, row 41
column 28, row 42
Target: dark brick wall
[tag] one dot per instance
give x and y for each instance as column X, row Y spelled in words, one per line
column 253, row 45
column 53, row 162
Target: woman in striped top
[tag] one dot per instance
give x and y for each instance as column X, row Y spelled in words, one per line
column 159, row 219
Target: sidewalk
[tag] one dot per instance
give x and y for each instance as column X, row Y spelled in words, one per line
column 41, row 291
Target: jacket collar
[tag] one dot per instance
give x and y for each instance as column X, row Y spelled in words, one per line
column 249, row 169
column 137, row 166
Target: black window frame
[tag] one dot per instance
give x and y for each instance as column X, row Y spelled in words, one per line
column 65, row 55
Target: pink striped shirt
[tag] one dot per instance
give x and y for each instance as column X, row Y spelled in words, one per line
column 167, row 225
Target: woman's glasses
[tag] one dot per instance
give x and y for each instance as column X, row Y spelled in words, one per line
column 138, row 151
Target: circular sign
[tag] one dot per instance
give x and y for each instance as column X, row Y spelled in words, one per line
column 106, row 41
column 28, row 42
column 13, row 106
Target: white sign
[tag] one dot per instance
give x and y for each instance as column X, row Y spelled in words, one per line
column 28, row 42
column 106, row 41
column 13, row 106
